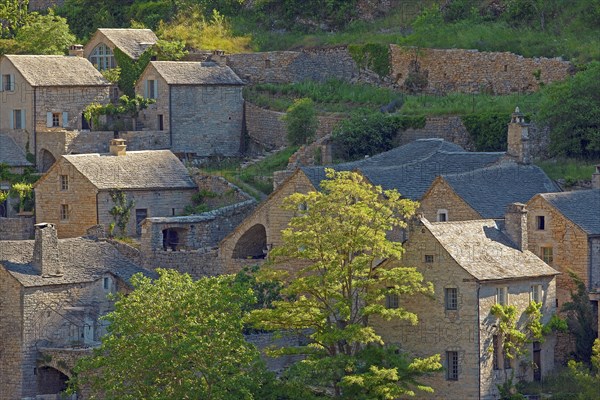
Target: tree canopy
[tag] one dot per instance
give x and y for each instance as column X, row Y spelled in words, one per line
column 336, row 242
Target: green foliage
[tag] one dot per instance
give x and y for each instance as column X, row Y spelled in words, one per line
column 45, row 34
column 126, row 107
column 25, row 193
column 373, row 56
column 131, row 70
column 568, row 169
column 301, row 122
column 14, row 15
column 121, row 211
column 175, row 338
column 580, row 318
column 169, row 50
column 3, row 196
column 306, row 14
column 487, row 130
column 336, row 241
column 369, row 133
column 198, row 205
column 572, row 110
column 112, row 75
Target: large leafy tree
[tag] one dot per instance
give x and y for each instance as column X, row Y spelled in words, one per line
column 175, row 338
column 336, row 243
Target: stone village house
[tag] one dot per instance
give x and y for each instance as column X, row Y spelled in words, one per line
column 99, row 50
column 52, row 292
column 45, row 94
column 199, row 103
column 75, row 194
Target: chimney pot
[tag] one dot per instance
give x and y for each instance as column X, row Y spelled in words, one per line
column 515, row 225
column 46, row 255
column 76, row 50
column 518, row 138
column 117, row 147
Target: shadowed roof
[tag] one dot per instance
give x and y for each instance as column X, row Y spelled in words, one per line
column 11, row 154
column 57, row 70
column 132, row 42
column 485, row 252
column 196, row 73
column 582, row 207
column 149, row 169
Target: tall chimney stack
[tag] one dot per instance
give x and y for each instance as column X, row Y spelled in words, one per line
column 46, row 256
column 596, row 178
column 518, row 138
column 117, row 147
column 515, row 225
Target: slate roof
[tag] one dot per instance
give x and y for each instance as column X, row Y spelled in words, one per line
column 582, row 207
column 411, row 169
column 83, row 260
column 11, row 154
column 132, row 42
column 485, row 252
column 196, row 73
column 57, row 70
column 148, row 169
column 489, row 190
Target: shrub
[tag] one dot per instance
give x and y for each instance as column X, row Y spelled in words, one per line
column 301, row 121
column 487, row 130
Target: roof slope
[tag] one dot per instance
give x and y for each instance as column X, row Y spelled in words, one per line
column 149, row 169
column 11, row 154
column 132, row 42
column 57, row 70
column 196, row 73
column 489, row 190
column 485, row 252
column 582, row 207
column 83, row 260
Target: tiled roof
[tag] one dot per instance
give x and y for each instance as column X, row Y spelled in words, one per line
column 485, row 252
column 132, row 42
column 11, row 154
column 149, row 169
column 196, row 73
column 83, row 260
column 489, row 190
column 57, row 70
column 582, row 207
column 411, row 169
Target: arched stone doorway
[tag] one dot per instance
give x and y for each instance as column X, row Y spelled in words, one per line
column 252, row 244
column 51, row 381
column 174, row 238
column 46, row 160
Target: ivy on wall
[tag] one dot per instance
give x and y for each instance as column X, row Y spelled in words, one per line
column 487, row 130
column 131, row 69
column 373, row 56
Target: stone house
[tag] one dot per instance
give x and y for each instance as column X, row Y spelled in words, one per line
column 472, row 265
column 43, row 94
column 75, row 194
column 52, row 293
column 199, row 103
column 99, row 50
column 564, row 231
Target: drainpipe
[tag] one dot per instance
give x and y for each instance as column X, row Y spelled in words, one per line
column 478, row 341
column 170, row 120
column 34, row 123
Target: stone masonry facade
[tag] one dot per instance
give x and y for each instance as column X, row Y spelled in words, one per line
column 441, row 197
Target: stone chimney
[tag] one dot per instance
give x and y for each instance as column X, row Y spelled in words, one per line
column 117, row 147
column 515, row 225
column 76, row 50
column 596, row 178
column 518, row 138
column 218, row 56
column 46, row 256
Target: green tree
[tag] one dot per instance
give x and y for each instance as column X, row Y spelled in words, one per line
column 121, row 211
column 13, row 15
column 126, row 107
column 572, row 111
column 45, row 34
column 174, row 338
column 336, row 242
column 301, row 122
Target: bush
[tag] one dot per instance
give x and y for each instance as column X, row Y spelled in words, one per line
column 487, row 130
column 301, row 121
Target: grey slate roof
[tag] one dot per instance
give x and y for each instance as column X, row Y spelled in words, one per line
column 196, row 73
column 411, row 169
column 11, row 154
column 485, row 252
column 489, row 190
column 582, row 207
column 148, row 169
column 84, row 260
column 57, row 70
column 132, row 42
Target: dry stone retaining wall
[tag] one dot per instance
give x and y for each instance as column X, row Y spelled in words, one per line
column 16, row 228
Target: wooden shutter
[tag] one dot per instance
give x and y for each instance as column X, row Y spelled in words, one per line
column 23, row 119
column 12, row 119
column 65, row 119
column 156, row 88
column 146, row 89
column 49, row 119
column 12, row 82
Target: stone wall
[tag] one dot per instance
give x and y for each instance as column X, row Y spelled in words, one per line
column 449, row 128
column 471, row 71
column 16, row 228
column 440, row 196
column 226, row 192
column 266, row 340
column 196, row 263
column 11, row 322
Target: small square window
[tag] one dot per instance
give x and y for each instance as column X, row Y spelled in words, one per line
column 547, row 255
column 536, row 293
column 451, row 298
column 8, row 83
column 392, row 300
column 540, row 222
column 64, row 182
column 428, row 258
column 55, row 120
column 64, row 212
column 452, row 368
column 442, row 215
column 502, row 296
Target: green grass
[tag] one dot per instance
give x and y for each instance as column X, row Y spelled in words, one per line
column 569, row 170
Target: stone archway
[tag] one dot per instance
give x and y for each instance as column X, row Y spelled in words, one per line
column 51, row 381
column 252, row 244
column 46, row 160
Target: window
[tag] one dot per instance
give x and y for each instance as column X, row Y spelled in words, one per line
column 55, row 119
column 547, row 255
column 452, row 368
column 151, row 89
column 102, row 57
column 8, row 82
column 392, row 300
column 442, row 215
column 106, row 283
column 502, row 296
column 536, row 293
column 451, row 298
column 428, row 258
column 18, row 119
column 64, row 212
column 64, row 182
column 540, row 222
